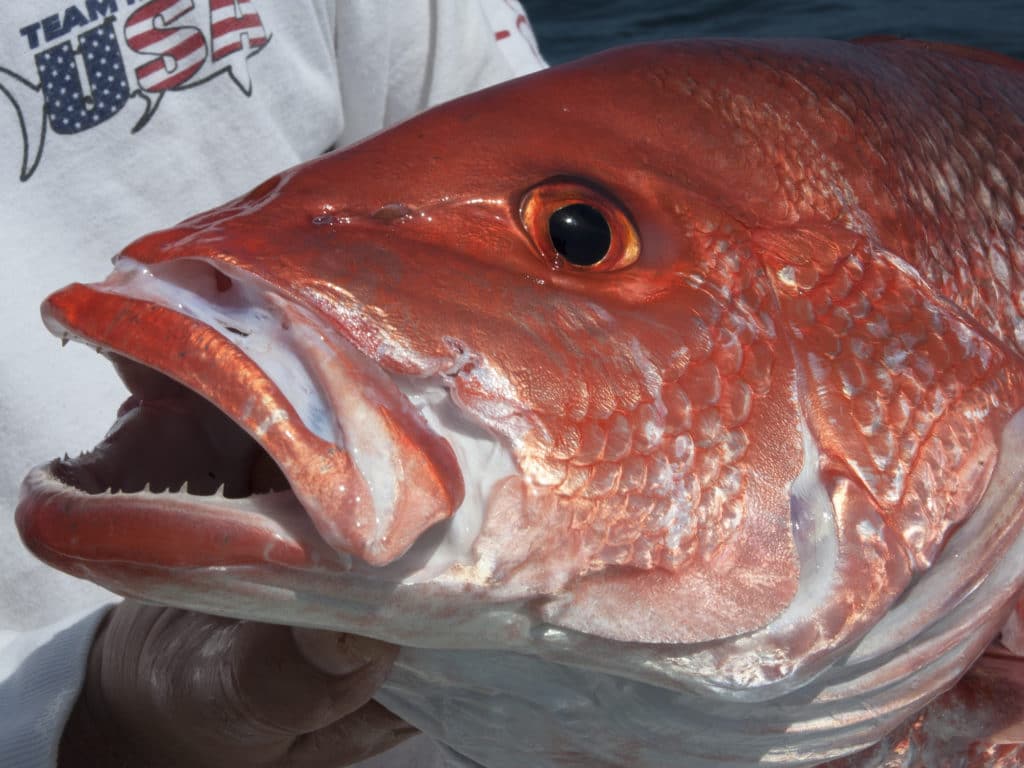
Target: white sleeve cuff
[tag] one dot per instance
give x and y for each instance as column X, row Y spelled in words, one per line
column 41, row 673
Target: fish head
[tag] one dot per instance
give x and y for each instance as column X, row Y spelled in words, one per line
column 517, row 363
column 529, row 365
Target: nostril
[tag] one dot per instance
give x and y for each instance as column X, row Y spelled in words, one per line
column 264, row 189
column 392, row 212
column 221, row 281
column 196, row 276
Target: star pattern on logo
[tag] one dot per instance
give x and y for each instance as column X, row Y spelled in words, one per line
column 72, row 108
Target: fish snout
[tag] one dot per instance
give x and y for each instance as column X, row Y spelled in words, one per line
column 248, row 416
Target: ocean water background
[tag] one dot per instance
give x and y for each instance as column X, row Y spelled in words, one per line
column 568, row 29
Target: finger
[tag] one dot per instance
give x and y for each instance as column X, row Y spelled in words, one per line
column 279, row 688
column 247, row 687
column 132, row 635
column 368, row 731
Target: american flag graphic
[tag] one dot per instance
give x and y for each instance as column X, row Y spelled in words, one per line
column 71, row 108
column 229, row 21
column 180, row 51
column 85, row 68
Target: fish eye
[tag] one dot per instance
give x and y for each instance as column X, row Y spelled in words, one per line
column 580, row 233
column 578, row 226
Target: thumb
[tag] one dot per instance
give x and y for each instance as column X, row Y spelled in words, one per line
column 299, row 682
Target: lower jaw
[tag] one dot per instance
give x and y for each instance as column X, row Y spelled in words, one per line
column 67, row 527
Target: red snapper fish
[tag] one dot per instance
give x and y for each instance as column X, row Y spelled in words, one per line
column 665, row 407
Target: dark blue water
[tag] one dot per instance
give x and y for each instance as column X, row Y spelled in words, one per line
column 568, row 29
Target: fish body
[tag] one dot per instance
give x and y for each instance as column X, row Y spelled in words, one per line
column 664, row 407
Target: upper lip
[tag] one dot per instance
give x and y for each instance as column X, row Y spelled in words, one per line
column 154, row 340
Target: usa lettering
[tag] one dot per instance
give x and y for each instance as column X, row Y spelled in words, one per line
column 79, row 98
column 179, row 52
column 81, row 64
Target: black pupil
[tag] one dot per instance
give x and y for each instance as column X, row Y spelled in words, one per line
column 580, row 234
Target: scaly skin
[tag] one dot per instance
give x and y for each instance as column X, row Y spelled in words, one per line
column 767, row 455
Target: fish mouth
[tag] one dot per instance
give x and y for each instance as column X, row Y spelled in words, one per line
column 174, row 483
column 255, row 433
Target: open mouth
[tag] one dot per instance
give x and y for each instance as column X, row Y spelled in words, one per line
column 175, row 483
column 254, row 433
column 167, row 439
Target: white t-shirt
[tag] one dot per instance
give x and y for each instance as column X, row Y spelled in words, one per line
column 120, row 119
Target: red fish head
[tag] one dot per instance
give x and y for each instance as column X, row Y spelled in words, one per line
column 534, row 358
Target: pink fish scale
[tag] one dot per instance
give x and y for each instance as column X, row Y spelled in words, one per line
column 901, row 387
column 961, row 180
column 659, row 480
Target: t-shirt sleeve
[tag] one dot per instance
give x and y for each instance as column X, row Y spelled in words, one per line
column 396, row 58
column 41, row 674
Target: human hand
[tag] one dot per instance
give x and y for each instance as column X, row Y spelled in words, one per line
column 167, row 688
